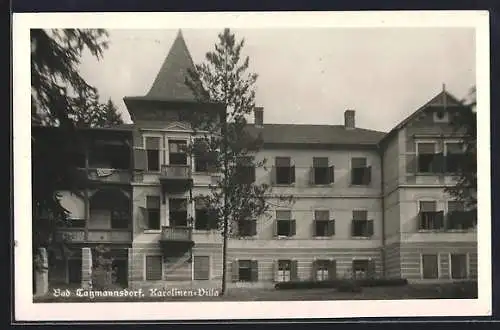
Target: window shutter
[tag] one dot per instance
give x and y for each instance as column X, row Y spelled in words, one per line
column 320, row 162
column 254, row 269
column 273, row 175
column 292, row 174
column 143, row 218
column 370, row 228
column 140, row 159
column 212, row 219
column 293, row 229
column 420, row 220
column 314, row 227
column 439, row 220
column 293, row 270
column 275, row 270
column 275, row 227
column 314, row 270
column 332, row 269
column 253, row 227
column 331, row 174
column 331, row 227
column 411, row 163
column 353, row 227
column 235, row 271
column 367, row 175
column 312, row 174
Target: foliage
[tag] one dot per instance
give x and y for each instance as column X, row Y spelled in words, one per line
column 225, row 138
column 103, row 274
column 56, row 84
column 55, row 79
column 465, row 123
column 89, row 112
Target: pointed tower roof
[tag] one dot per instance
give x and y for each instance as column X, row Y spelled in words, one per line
column 169, row 83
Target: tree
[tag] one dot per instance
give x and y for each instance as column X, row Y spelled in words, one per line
column 89, row 112
column 226, row 139
column 465, row 124
column 55, row 85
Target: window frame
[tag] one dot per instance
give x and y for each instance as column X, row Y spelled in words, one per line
column 148, row 229
column 209, row 276
column 367, row 167
column 467, row 266
column 161, row 150
column 437, row 210
column 145, row 274
column 436, row 149
column 438, row 261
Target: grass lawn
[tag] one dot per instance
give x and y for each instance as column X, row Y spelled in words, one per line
column 411, row 291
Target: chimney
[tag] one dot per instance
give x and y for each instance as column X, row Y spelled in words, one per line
column 349, row 122
column 258, row 116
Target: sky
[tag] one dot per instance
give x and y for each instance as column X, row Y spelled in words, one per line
column 309, row 76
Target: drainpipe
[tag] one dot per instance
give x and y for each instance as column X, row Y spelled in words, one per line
column 382, row 191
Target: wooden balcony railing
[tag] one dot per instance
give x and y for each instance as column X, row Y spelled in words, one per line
column 176, row 233
column 175, row 172
column 79, row 235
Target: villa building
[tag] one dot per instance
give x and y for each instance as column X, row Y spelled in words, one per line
column 366, row 203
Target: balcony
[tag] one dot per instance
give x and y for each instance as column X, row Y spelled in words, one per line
column 79, row 235
column 176, row 240
column 176, row 178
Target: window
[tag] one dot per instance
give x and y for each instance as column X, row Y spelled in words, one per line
column 153, row 212
column 245, row 271
column 119, row 219
column 430, row 266
column 429, row 218
column 154, row 267
column 153, row 146
column 177, row 211
column 324, row 270
column 177, row 152
column 363, row 268
column 284, row 271
column 201, row 268
column 247, row 228
column 458, row 218
column 204, row 160
column 441, row 116
column 454, row 156
column 245, row 170
column 361, row 227
column 360, row 172
column 321, row 172
column 284, row 171
column 323, row 226
column 429, row 161
column 285, row 226
column 458, row 266
column 204, row 218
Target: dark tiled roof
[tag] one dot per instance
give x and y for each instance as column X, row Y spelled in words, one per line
column 317, row 134
column 170, row 80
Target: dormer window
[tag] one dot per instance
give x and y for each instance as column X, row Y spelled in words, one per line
column 441, row 116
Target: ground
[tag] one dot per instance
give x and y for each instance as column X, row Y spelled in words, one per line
column 411, row 291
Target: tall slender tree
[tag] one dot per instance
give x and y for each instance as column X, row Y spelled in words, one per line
column 465, row 125
column 55, row 85
column 227, row 141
